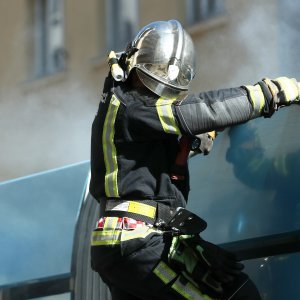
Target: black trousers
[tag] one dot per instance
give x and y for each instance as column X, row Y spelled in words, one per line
column 136, row 269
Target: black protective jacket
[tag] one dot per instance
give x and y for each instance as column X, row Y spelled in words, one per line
column 135, row 139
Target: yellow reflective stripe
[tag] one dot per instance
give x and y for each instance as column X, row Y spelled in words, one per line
column 109, row 149
column 107, row 237
column 164, row 272
column 257, row 97
column 131, row 206
column 166, row 116
column 142, row 209
column 188, row 291
column 289, row 87
column 116, row 236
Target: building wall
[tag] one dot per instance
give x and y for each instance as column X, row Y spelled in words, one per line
column 45, row 123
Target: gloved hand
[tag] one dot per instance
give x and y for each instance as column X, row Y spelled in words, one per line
column 204, row 142
column 210, row 267
column 284, row 90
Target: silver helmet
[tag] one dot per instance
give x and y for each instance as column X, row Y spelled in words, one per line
column 164, row 57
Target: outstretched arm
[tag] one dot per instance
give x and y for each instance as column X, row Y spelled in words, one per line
column 216, row 110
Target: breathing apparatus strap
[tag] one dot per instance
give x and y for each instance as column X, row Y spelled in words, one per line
column 148, row 211
column 179, row 220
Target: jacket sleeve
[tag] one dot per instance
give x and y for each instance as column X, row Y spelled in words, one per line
column 218, row 109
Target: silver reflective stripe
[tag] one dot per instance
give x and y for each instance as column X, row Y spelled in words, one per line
column 107, row 237
column 166, row 116
column 164, row 272
column 110, row 235
column 188, row 290
column 110, row 223
column 109, row 149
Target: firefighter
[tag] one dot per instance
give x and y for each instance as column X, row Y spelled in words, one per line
column 146, row 245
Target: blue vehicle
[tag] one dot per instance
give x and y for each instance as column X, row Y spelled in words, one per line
column 246, row 189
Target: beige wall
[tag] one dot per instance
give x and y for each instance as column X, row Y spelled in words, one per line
column 45, row 123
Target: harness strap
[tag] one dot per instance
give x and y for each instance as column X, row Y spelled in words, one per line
column 148, row 211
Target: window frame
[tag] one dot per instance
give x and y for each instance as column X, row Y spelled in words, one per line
column 49, row 37
column 121, row 22
column 198, row 11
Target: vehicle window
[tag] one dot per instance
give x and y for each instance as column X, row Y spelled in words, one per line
column 37, row 221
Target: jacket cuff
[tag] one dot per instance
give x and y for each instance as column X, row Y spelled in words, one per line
column 257, row 99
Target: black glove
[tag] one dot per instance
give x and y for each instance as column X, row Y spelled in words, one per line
column 210, row 267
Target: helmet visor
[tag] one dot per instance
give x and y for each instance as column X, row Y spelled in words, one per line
column 161, row 73
column 163, row 90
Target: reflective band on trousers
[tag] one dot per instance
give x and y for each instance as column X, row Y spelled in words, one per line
column 115, row 237
column 257, row 98
column 107, row 237
column 188, row 290
column 109, row 149
column 164, row 272
column 181, row 285
column 166, row 116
